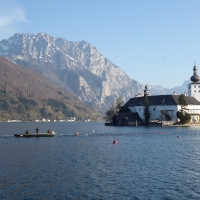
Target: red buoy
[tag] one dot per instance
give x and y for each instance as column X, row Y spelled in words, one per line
column 114, row 141
column 77, row 133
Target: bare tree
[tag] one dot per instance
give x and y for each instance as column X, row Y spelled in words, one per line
column 118, row 103
column 109, row 114
column 114, row 109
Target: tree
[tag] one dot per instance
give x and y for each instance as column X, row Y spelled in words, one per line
column 182, row 115
column 118, row 103
column 179, row 115
column 187, row 118
column 109, row 114
column 147, row 113
column 72, row 113
column 184, row 118
column 166, row 115
column 114, row 109
column 182, row 102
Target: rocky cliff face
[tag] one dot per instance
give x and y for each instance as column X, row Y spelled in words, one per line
column 76, row 66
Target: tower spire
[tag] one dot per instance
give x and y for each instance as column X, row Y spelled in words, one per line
column 195, row 77
column 195, row 69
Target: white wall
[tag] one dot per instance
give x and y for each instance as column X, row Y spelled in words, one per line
column 172, row 110
column 194, row 90
column 193, row 109
column 156, row 111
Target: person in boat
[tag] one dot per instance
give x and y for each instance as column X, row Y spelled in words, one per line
column 27, row 132
column 49, row 131
column 37, row 130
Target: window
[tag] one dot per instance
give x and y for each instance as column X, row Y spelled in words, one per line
column 189, row 87
column 199, row 86
column 195, row 91
column 195, row 86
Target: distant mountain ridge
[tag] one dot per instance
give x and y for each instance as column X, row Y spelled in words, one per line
column 78, row 67
column 157, row 89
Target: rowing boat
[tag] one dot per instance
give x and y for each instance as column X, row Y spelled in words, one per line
column 35, row 135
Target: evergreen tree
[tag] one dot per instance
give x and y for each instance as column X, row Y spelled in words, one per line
column 182, row 102
column 182, row 115
column 187, row 118
column 179, row 115
column 147, row 113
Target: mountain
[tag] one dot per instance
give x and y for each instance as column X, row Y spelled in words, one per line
column 77, row 67
column 27, row 95
column 158, row 89
column 180, row 89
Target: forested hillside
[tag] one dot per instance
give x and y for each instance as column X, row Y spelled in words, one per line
column 27, row 95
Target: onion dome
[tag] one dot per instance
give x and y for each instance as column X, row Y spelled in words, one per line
column 195, row 77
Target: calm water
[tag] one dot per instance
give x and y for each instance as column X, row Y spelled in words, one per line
column 147, row 163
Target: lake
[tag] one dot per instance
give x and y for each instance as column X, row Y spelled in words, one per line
column 146, row 163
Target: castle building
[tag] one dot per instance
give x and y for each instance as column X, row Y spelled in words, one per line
column 165, row 107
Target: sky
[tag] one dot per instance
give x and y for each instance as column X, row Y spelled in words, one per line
column 155, row 42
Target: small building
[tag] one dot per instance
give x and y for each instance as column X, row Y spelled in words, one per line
column 70, row 119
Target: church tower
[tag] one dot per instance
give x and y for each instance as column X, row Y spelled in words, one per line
column 194, row 87
column 146, row 91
